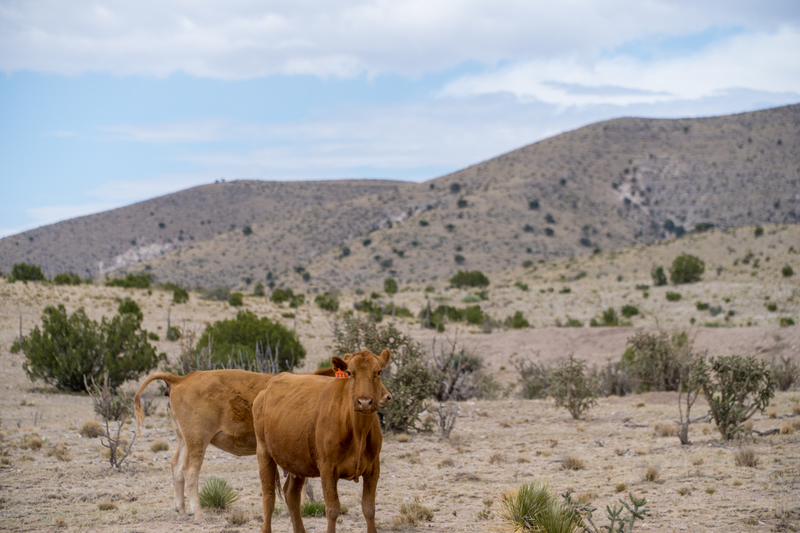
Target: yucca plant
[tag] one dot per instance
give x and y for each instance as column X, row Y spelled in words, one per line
column 534, row 507
column 217, row 494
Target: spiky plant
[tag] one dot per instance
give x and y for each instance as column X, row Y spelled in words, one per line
column 217, row 494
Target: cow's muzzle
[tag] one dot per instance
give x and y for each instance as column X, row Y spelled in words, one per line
column 365, row 404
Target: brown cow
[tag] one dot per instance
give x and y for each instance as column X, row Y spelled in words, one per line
column 207, row 407
column 315, row 426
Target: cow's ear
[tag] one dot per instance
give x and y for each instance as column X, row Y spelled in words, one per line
column 339, row 364
column 384, row 358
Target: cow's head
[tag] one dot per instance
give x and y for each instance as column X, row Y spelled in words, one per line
column 363, row 370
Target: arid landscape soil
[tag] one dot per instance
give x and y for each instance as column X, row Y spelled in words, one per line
column 496, row 445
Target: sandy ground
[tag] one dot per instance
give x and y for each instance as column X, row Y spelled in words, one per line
column 496, row 445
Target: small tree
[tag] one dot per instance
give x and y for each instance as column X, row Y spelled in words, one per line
column 686, row 268
column 113, row 407
column 659, row 278
column 572, row 387
column 236, row 299
column 390, row 286
column 735, row 388
column 327, row 301
column 472, row 278
column 656, row 361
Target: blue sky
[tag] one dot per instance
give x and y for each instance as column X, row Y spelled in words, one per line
column 105, row 103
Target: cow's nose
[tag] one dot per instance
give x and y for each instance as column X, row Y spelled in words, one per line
column 364, row 403
column 386, row 399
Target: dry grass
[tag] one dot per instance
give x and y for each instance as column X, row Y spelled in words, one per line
column 652, row 473
column 31, row 442
column 447, row 463
column 90, row 429
column 746, row 457
column 402, row 437
column 497, row 458
column 159, row 446
column 573, row 462
column 60, row 452
column 107, row 506
column 238, row 517
column 411, row 514
column 621, row 487
column 666, row 429
column 787, row 429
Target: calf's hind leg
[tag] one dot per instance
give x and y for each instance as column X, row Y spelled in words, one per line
column 178, row 479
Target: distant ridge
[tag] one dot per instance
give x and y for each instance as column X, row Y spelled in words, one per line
column 606, row 185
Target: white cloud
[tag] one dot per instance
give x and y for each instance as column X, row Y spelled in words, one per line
column 201, row 130
column 250, row 38
column 761, row 62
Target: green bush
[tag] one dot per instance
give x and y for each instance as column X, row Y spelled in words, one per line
column 180, row 295
column 173, row 334
column 735, row 388
column 220, row 293
column 673, row 296
column 629, row 310
column 659, row 278
column 472, row 278
column 533, row 378
column 26, row 272
column 390, row 286
column 407, row 376
column 772, row 306
column 533, row 507
column 517, row 321
column 786, row 321
column 327, row 302
column 786, row 373
column 443, row 314
column 609, row 318
column 787, row 271
column 240, row 335
column 259, row 290
column 67, row 278
column 68, row 350
column 281, row 295
column 573, row 387
column 315, row 509
column 656, row 361
column 759, row 231
column 236, row 299
column 701, row 306
column 136, row 281
column 686, row 268
column 217, row 494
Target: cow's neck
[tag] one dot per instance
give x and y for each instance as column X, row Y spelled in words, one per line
column 362, row 425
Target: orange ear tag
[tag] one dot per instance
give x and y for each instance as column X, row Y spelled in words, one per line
column 341, row 375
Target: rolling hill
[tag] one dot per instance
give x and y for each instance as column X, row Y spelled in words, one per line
column 604, row 186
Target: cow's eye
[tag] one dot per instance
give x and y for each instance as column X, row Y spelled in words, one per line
column 379, row 372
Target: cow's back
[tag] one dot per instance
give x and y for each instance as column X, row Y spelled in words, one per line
column 286, row 414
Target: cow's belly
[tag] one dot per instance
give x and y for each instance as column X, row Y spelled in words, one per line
column 235, row 444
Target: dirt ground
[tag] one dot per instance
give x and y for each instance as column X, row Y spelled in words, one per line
column 495, row 446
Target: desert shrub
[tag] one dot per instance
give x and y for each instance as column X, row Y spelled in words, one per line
column 785, row 372
column 114, row 408
column 390, row 286
column 614, row 379
column 173, row 334
column 785, row 321
column 772, row 306
column 735, row 388
column 159, row 446
column 280, row 295
column 746, row 457
column 411, row 514
column 456, row 372
column 69, row 349
column 656, row 361
column 573, row 462
column 609, row 318
column 327, row 301
column 407, row 375
column 472, row 278
column 26, row 272
column 220, row 293
column 180, row 295
column 642, row 287
column 533, row 378
column 313, row 509
column 686, row 268
column 135, row 281
column 659, row 278
column 236, row 299
column 573, row 387
column 629, row 310
column 248, row 337
column 517, row 321
column 652, row 473
column 90, row 430
column 759, row 231
column 787, row 271
column 673, row 296
column 701, row 306
column 67, row 278
column 443, row 314
column 217, row 494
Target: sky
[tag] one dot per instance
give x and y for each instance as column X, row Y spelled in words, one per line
column 106, row 103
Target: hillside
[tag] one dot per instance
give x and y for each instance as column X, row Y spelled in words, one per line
column 608, row 185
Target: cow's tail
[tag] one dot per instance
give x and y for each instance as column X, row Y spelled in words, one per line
column 137, row 400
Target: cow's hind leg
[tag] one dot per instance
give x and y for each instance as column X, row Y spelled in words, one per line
column 178, row 479
column 268, row 472
column 293, row 490
column 195, row 452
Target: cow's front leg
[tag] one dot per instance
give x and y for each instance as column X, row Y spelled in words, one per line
column 330, row 492
column 370, row 478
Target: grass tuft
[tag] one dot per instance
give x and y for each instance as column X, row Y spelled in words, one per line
column 746, row 457
column 312, row 509
column 652, row 473
column 90, row 430
column 573, row 462
column 411, row 514
column 159, row 446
